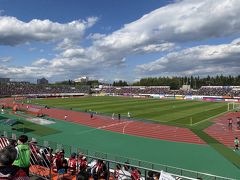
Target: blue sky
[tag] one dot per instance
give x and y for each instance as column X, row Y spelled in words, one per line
column 118, row 39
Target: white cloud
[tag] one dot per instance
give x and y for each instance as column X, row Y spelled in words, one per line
column 41, row 62
column 96, row 36
column 69, row 53
column 166, row 28
column 155, row 48
column 14, row 31
column 179, row 22
column 6, row 59
column 199, row 60
column 67, row 43
column 23, row 72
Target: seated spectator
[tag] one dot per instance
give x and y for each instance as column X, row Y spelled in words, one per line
column 64, row 162
column 72, row 163
column 59, row 162
column 150, row 175
column 117, row 171
column 135, row 174
column 56, row 161
column 82, row 162
column 100, row 170
column 83, row 174
column 7, row 170
column 125, row 174
column 156, row 175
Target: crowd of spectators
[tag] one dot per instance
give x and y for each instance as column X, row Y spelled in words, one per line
column 17, row 157
column 31, row 89
column 24, row 89
column 213, row 91
column 205, row 90
column 137, row 90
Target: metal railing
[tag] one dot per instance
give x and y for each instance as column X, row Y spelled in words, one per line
column 41, row 166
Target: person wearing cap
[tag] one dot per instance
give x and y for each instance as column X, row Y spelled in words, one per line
column 23, row 154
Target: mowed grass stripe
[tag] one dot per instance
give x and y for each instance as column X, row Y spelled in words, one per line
column 137, row 108
column 91, row 100
column 200, row 116
column 139, row 111
column 82, row 102
column 103, row 105
column 173, row 109
column 183, row 112
column 125, row 107
column 60, row 102
column 99, row 106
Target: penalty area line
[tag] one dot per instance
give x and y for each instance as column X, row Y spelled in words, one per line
column 211, row 117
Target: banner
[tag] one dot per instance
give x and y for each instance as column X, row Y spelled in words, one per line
column 165, row 176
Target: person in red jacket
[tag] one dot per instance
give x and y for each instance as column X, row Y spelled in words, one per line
column 72, row 163
column 57, row 162
column 135, row 174
column 82, row 162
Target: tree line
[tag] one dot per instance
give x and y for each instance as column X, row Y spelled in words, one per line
column 174, row 82
column 178, row 82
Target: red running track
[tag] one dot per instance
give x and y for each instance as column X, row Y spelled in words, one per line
column 136, row 128
column 220, row 131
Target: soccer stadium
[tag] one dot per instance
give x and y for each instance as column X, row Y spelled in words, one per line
column 146, row 128
column 120, row 90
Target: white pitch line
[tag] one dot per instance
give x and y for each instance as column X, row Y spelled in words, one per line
column 101, row 127
column 211, row 117
column 126, row 126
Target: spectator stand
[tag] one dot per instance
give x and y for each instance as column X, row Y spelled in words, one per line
column 42, row 162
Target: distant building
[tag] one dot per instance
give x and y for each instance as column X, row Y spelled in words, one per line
column 81, row 79
column 42, row 81
column 186, row 87
column 4, row 80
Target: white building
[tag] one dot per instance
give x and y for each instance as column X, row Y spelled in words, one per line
column 81, row 79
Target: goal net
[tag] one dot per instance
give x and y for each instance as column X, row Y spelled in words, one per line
column 233, row 106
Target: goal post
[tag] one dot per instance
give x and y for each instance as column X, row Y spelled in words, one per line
column 233, row 106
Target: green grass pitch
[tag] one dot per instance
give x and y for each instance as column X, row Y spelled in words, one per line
column 182, row 112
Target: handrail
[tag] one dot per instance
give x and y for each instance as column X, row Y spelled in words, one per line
column 175, row 171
